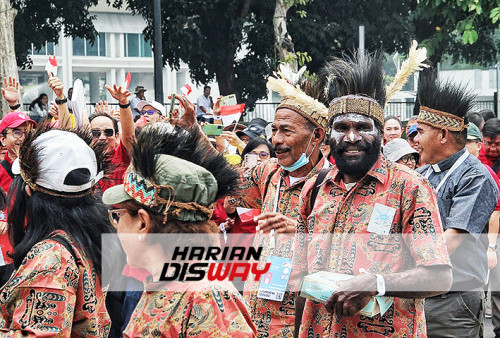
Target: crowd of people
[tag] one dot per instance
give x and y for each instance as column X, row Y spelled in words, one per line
column 404, row 214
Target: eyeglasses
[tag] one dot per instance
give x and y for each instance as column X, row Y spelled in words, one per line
column 108, row 132
column 408, row 158
column 17, row 133
column 114, row 216
column 262, row 154
column 149, row 112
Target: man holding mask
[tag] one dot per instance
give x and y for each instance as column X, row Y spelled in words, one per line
column 375, row 221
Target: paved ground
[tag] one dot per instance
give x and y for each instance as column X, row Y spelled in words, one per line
column 488, row 329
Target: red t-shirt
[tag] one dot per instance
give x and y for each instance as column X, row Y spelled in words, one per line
column 5, row 179
column 120, row 159
column 497, row 181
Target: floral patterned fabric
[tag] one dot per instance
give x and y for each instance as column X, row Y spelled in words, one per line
column 191, row 309
column 335, row 238
column 51, row 295
column 258, row 191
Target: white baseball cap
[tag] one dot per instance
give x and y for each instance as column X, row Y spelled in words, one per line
column 60, row 152
column 155, row 104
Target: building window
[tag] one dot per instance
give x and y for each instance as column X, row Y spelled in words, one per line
column 83, row 47
column 46, row 49
column 137, row 46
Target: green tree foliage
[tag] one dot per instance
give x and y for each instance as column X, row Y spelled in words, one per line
column 38, row 21
column 463, row 29
column 230, row 41
column 331, row 27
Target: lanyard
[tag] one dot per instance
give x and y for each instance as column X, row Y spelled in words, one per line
column 452, row 169
column 272, row 240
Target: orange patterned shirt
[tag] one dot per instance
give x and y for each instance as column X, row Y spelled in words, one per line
column 190, row 309
column 335, row 238
column 258, row 191
column 50, row 295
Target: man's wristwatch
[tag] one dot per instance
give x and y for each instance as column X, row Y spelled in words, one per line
column 494, row 246
column 380, row 285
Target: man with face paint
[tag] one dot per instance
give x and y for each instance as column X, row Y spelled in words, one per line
column 372, row 219
column 274, row 187
column 467, row 195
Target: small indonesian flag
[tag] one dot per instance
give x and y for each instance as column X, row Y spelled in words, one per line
column 51, row 66
column 247, row 215
column 186, row 90
column 126, row 83
column 231, row 114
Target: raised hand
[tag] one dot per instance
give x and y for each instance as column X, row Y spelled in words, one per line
column 10, row 90
column 188, row 119
column 104, row 108
column 57, row 86
column 119, row 93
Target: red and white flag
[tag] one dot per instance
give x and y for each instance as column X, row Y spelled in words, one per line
column 186, row 90
column 126, row 83
column 247, row 215
column 231, row 114
column 51, row 66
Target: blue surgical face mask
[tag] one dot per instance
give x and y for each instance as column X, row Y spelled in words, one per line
column 303, row 160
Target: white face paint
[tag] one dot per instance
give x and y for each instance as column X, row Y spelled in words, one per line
column 338, row 135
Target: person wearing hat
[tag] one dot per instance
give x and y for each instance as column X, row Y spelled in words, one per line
column 256, row 128
column 467, row 196
column 400, row 151
column 13, row 128
column 139, row 96
column 151, row 111
column 274, row 187
column 365, row 205
column 55, row 225
column 169, row 190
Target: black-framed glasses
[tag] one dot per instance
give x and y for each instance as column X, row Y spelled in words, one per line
column 262, row 154
column 408, row 158
column 114, row 216
column 149, row 112
column 108, row 132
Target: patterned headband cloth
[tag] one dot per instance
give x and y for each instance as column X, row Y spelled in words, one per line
column 440, row 119
column 147, row 193
column 356, row 104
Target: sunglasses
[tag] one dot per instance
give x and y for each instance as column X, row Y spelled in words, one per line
column 262, row 154
column 114, row 216
column 149, row 112
column 108, row 132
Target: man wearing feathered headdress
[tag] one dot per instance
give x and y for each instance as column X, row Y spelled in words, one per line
column 467, row 195
column 274, row 187
column 373, row 220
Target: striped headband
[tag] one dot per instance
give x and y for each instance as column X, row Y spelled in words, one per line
column 440, row 119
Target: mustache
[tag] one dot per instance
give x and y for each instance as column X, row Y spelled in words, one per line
column 342, row 146
column 281, row 149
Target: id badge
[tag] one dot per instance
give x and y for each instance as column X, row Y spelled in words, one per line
column 274, row 283
column 381, row 219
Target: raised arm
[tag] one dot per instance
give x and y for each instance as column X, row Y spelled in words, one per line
column 64, row 117
column 126, row 118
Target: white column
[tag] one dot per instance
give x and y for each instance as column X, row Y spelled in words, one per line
column 110, row 79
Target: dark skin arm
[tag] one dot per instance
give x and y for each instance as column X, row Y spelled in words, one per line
column 421, row 282
column 299, row 309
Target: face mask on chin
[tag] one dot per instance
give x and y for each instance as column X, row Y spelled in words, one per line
column 303, row 159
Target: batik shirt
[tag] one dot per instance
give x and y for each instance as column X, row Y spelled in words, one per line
column 51, row 295
column 258, row 191
column 190, row 309
column 334, row 237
